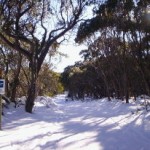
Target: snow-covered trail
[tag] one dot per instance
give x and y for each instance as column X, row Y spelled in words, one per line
column 97, row 125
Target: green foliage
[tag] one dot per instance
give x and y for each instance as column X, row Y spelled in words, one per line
column 49, row 82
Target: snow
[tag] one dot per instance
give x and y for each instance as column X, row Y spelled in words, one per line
column 75, row 125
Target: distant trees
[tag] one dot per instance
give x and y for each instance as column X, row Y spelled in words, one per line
column 117, row 61
column 33, row 27
column 17, row 80
column 48, row 82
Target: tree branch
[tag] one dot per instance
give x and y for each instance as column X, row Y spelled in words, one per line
column 15, row 47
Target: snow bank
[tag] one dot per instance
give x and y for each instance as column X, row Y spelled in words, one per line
column 46, row 101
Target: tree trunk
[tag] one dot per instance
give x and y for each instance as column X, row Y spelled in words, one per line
column 14, row 89
column 106, row 85
column 15, row 82
column 32, row 86
column 126, row 89
column 6, row 80
column 125, row 70
column 31, row 97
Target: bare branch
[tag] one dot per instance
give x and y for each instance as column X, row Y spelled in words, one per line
column 44, row 28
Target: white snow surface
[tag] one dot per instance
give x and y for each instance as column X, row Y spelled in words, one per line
column 75, row 125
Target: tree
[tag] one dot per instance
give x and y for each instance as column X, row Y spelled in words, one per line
column 31, row 27
column 48, row 82
column 121, row 47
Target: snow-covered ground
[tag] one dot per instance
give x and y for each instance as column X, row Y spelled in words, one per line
column 76, row 125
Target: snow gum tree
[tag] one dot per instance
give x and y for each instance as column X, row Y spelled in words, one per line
column 118, row 39
column 32, row 27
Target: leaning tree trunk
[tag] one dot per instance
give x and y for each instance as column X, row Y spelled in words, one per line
column 32, row 87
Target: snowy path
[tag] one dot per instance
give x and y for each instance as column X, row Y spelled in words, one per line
column 97, row 125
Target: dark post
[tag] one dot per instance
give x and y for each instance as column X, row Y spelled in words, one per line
column 0, row 103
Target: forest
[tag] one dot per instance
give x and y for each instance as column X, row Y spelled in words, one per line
column 116, row 62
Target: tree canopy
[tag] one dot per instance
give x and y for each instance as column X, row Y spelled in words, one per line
column 117, row 61
column 34, row 27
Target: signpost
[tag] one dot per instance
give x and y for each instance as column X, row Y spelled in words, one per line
column 2, row 86
column 2, row 91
